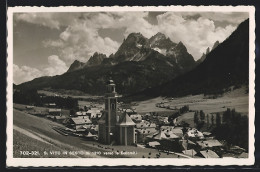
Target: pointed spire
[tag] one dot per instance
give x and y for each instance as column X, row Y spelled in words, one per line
column 126, row 121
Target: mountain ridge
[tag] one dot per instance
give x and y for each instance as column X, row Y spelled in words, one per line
column 226, row 65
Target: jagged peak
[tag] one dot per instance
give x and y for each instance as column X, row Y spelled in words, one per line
column 181, row 45
column 159, row 34
column 98, row 54
column 76, row 61
column 207, row 50
column 215, row 45
column 134, row 34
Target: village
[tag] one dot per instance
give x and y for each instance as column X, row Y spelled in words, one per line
column 118, row 124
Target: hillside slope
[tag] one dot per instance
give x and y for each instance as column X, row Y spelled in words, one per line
column 226, row 65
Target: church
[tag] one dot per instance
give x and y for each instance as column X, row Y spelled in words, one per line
column 115, row 127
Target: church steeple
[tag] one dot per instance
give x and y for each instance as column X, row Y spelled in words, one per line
column 111, row 87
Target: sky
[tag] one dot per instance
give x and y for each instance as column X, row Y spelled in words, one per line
column 45, row 44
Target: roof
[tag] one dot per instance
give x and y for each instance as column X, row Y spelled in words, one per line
column 164, row 127
column 190, row 152
column 153, row 144
column 173, row 136
column 146, row 130
column 145, row 124
column 102, row 119
column 243, row 155
column 89, row 135
column 206, row 133
column 152, row 134
column 127, row 121
column 160, row 136
column 93, row 111
column 212, row 143
column 110, row 82
column 209, row 143
column 54, row 110
column 209, row 154
column 194, row 133
column 79, row 120
column 81, row 113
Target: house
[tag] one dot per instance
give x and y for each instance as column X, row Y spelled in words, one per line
column 160, row 136
column 153, row 144
column 187, row 144
column 136, row 117
column 209, row 154
column 194, row 133
column 54, row 112
column 51, row 105
column 145, row 124
column 94, row 113
column 209, row 143
column 29, row 107
column 77, row 122
column 142, row 133
column 177, row 131
column 39, row 113
column 170, row 135
column 164, row 120
column 81, row 113
column 165, row 127
column 190, row 152
column 243, row 155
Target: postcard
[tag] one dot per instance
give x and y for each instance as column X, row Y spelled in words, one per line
column 124, row 86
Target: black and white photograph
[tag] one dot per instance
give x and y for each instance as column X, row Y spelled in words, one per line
column 130, row 86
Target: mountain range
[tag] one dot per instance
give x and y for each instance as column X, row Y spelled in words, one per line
column 158, row 66
column 226, row 65
column 139, row 63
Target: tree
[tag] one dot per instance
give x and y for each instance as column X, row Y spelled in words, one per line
column 218, row 120
column 234, row 131
column 202, row 115
column 227, row 116
column 196, row 118
column 72, row 112
column 207, row 120
column 212, row 119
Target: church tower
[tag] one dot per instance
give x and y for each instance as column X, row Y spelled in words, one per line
column 107, row 124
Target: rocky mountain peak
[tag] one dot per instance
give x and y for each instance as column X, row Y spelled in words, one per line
column 96, row 59
column 207, row 51
column 158, row 36
column 181, row 46
column 75, row 66
column 215, row 45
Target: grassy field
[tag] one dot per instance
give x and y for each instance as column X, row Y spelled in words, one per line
column 237, row 99
column 21, row 107
column 22, row 142
column 68, row 93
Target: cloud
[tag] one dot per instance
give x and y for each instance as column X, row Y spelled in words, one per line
column 56, row 66
column 25, row 73
column 196, row 34
column 136, row 22
column 53, row 43
column 231, row 17
column 51, row 20
column 80, row 40
column 79, row 37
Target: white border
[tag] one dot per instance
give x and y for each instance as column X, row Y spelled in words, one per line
column 68, row 162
